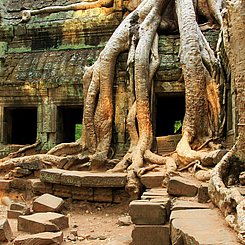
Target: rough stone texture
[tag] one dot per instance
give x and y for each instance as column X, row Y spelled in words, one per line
column 39, row 187
column 150, row 234
column 20, row 184
column 82, row 193
column 4, row 185
column 51, row 176
column 152, row 179
column 14, row 214
column 63, row 191
column 40, row 239
column 42, row 222
column 202, row 194
column 155, row 193
column 200, row 226
column 84, row 179
column 48, row 203
column 178, row 186
column 103, row 195
column 18, row 206
column 242, row 178
column 149, row 213
column 5, row 231
column 188, row 204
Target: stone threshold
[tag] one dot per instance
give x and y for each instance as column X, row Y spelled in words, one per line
column 83, row 178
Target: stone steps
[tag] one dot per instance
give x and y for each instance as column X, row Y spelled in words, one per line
column 178, row 219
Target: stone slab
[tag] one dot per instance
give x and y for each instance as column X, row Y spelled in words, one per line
column 18, row 206
column 152, row 179
column 40, row 238
column 42, row 222
column 5, row 231
column 186, row 204
column 48, row 203
column 200, row 226
column 155, row 193
column 148, row 213
column 151, row 234
column 51, row 175
column 179, row 186
column 14, row 214
column 83, row 178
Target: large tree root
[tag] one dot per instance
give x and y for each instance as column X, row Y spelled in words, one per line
column 228, row 200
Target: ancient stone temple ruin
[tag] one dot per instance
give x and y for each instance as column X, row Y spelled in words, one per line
column 46, row 48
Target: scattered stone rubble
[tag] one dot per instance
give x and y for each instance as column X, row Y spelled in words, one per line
column 178, row 214
column 42, row 220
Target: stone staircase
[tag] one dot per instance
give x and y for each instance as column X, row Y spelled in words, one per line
column 178, row 219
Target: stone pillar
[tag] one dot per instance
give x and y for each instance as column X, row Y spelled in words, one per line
column 3, row 49
column 46, row 123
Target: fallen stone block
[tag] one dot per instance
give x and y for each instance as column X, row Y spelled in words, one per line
column 40, row 238
column 152, row 179
column 179, row 186
column 200, row 226
column 202, row 194
column 14, row 214
column 18, row 206
column 42, row 222
column 148, row 213
column 5, row 231
column 48, row 203
column 151, row 234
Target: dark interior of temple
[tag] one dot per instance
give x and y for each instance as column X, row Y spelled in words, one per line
column 67, row 118
column 20, row 125
column 170, row 110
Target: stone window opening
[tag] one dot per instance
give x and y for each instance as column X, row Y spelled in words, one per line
column 20, row 125
column 69, row 123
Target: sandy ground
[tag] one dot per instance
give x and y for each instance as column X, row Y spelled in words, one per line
column 90, row 223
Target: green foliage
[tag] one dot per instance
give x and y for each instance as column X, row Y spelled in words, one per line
column 177, row 126
column 90, row 61
column 78, row 131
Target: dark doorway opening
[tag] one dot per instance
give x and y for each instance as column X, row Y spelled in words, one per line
column 69, row 123
column 20, row 125
column 170, row 111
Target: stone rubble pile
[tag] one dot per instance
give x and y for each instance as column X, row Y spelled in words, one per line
column 42, row 221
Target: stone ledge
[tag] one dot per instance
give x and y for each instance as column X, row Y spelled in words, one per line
column 83, row 178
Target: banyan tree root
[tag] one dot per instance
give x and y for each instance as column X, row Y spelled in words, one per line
column 228, row 199
column 26, row 14
column 23, row 151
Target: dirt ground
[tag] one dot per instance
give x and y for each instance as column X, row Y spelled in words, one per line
column 91, row 223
